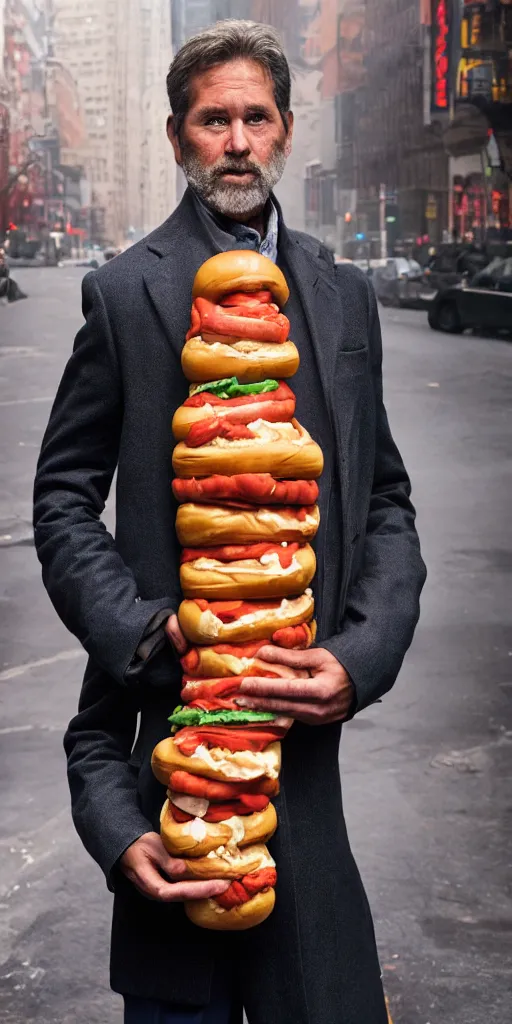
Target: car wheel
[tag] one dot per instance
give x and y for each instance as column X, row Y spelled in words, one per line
column 445, row 318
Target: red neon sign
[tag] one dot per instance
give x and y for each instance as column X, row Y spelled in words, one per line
column 441, row 56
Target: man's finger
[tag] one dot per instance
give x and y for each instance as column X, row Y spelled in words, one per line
column 292, row 709
column 283, row 689
column 312, row 658
column 198, row 890
column 175, row 634
column 150, row 882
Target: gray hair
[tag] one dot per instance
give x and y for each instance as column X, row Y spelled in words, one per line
column 223, row 42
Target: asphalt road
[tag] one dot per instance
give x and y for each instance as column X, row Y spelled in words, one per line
column 426, row 774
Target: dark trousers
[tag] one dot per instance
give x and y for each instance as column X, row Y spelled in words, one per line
column 223, row 1008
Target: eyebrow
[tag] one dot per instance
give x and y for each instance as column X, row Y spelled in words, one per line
column 205, row 112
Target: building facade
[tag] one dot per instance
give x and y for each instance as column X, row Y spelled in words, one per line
column 381, row 159
column 117, row 51
column 471, row 105
column 158, row 169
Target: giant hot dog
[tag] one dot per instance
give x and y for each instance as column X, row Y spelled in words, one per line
column 206, row 622
column 270, row 400
column 217, row 446
column 247, row 570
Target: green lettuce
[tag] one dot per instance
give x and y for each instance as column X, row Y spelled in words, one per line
column 230, row 388
column 183, row 716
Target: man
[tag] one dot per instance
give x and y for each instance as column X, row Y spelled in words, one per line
column 314, row 960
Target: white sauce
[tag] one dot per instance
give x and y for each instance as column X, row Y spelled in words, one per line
column 267, row 564
column 243, row 765
column 196, row 828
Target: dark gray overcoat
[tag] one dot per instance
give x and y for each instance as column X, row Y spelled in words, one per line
column 314, row 960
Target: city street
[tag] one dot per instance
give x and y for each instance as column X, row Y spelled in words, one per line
column 426, row 774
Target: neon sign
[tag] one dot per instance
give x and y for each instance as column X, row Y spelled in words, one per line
column 441, row 36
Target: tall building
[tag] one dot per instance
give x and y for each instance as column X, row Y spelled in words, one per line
column 105, row 44
column 158, row 182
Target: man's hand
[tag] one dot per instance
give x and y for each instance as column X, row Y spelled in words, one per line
column 148, row 865
column 174, row 634
column 325, row 697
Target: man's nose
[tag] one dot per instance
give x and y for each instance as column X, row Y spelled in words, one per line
column 237, row 143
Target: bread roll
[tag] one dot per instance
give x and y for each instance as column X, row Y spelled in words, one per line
column 239, row 270
column 248, row 578
column 197, row 838
column 200, row 526
column 283, row 450
column 264, row 406
column 250, row 361
column 208, row 913
column 242, row 766
column 230, row 863
column 204, row 627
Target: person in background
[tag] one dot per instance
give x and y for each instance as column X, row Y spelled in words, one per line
column 9, row 290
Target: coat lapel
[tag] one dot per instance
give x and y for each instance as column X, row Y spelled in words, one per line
column 320, row 298
column 182, row 246
column 322, row 301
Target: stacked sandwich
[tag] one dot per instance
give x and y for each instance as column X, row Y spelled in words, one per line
column 245, row 483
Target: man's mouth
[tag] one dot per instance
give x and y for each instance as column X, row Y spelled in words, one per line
column 237, row 172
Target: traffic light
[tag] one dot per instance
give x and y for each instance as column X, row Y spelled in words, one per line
column 348, row 218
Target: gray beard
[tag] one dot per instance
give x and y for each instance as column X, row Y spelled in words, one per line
column 227, row 198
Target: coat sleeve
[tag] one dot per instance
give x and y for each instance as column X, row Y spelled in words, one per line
column 92, row 589
column 102, row 782
column 382, row 606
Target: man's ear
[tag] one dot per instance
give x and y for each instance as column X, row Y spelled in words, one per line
column 288, row 143
column 173, row 139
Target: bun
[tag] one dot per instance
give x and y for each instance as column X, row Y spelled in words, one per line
column 227, row 767
column 208, row 913
column 250, row 361
column 268, row 408
column 229, row 864
column 207, row 525
column 239, row 270
column 180, row 841
column 300, row 458
column 213, row 666
column 203, row 627
column 248, row 579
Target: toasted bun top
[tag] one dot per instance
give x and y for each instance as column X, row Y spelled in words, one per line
column 239, row 270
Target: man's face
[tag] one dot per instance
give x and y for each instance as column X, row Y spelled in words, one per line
column 233, row 145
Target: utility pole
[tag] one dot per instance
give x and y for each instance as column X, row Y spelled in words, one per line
column 382, row 223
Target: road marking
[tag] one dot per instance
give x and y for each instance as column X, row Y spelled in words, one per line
column 19, row 670
column 16, row 728
column 390, row 1019
column 27, row 401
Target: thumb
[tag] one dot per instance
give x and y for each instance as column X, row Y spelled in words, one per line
column 175, row 635
column 173, row 866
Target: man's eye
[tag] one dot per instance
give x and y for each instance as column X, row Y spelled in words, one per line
column 256, row 119
column 216, row 121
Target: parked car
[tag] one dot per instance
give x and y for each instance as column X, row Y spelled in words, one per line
column 399, row 282
column 485, row 304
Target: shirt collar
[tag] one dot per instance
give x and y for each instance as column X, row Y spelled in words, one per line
column 225, row 230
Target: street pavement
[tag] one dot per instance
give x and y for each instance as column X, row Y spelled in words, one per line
column 426, row 774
